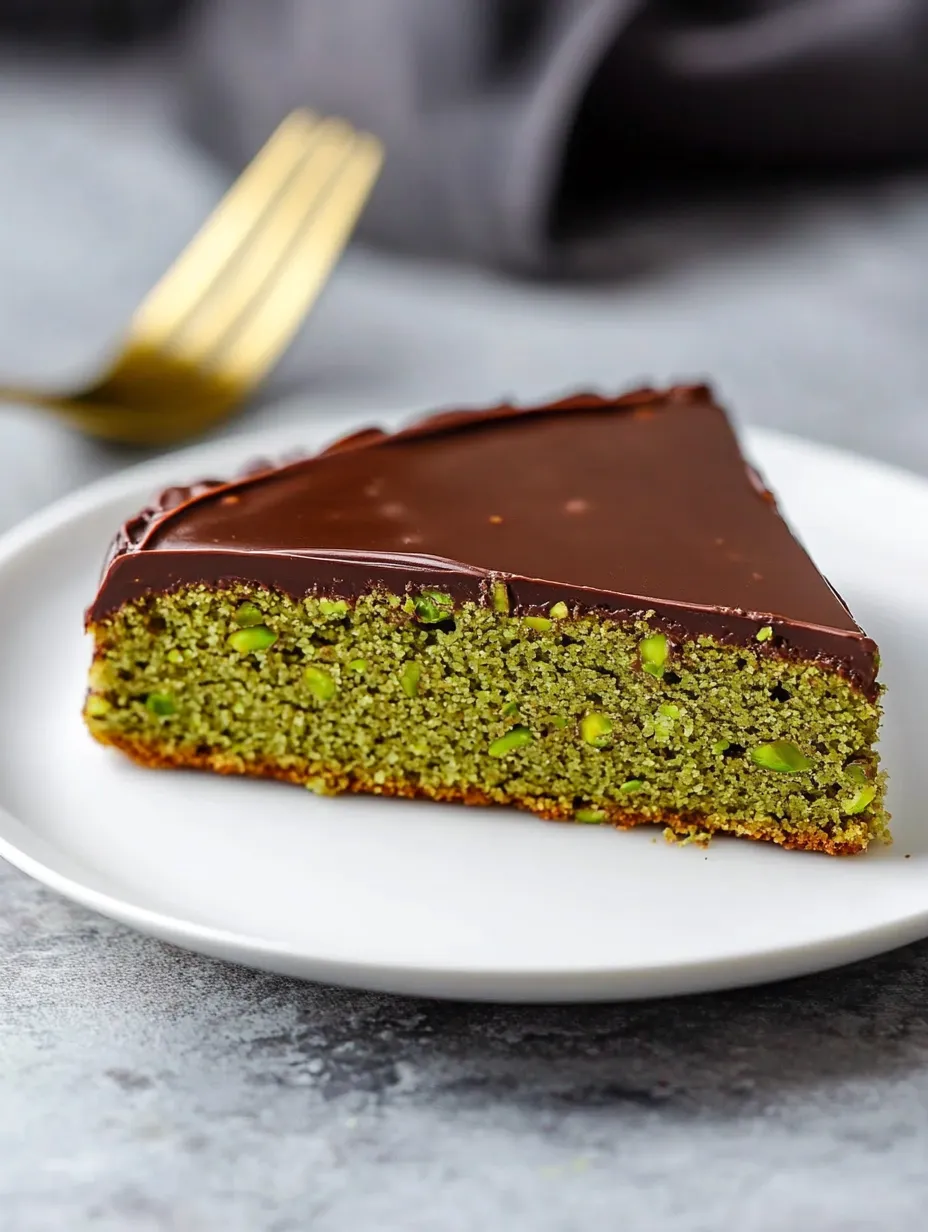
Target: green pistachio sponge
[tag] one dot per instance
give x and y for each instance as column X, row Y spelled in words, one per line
column 576, row 717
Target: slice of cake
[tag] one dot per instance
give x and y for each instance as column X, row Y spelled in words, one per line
column 592, row 610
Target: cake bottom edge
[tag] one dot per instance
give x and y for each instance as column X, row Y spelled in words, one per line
column 691, row 826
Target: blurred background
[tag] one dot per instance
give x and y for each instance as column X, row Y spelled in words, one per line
column 576, row 193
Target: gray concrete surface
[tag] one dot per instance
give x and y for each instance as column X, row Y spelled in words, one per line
column 146, row 1089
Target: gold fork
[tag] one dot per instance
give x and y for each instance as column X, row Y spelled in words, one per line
column 221, row 316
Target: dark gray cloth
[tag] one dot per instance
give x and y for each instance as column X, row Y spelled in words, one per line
column 511, row 124
column 504, row 118
column 94, row 21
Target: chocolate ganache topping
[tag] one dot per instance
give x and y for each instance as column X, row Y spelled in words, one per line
column 640, row 505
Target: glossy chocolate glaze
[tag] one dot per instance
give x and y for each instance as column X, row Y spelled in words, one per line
column 634, row 505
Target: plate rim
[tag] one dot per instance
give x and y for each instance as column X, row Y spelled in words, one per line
column 497, row 984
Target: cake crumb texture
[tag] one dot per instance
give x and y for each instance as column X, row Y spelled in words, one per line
column 575, row 717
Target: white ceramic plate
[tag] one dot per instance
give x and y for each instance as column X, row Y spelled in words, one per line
column 441, row 899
